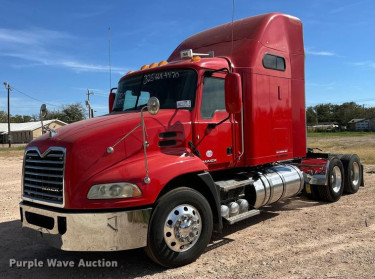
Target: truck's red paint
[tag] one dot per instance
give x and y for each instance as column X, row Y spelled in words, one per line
column 88, row 163
column 274, row 104
column 233, row 93
column 228, row 137
column 274, row 118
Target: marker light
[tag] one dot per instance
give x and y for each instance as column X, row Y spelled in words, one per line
column 196, row 58
column 129, row 72
column 153, row 65
column 144, row 67
column 162, row 63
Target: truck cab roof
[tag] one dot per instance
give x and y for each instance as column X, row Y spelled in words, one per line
column 213, row 63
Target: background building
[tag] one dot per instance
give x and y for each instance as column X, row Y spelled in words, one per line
column 26, row 132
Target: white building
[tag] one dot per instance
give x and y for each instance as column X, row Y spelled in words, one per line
column 26, row 132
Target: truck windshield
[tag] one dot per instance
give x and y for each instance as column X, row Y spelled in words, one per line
column 175, row 89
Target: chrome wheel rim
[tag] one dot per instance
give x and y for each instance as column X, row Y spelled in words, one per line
column 336, row 179
column 182, row 228
column 354, row 174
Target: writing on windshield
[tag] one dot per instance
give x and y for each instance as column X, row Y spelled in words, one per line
column 174, row 88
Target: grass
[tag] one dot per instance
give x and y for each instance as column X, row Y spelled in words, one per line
column 362, row 144
column 337, row 134
column 14, row 151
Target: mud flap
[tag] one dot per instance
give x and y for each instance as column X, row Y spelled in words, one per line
column 363, row 177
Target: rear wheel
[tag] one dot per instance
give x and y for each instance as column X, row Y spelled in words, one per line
column 180, row 228
column 353, row 173
column 335, row 176
column 312, row 192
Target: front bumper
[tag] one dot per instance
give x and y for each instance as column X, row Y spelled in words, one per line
column 108, row 231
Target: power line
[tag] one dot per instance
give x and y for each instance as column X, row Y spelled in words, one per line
column 35, row 99
column 100, row 91
column 104, row 96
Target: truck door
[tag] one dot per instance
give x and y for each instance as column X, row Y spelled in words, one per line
column 214, row 143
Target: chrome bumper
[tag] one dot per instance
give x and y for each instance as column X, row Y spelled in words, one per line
column 87, row 231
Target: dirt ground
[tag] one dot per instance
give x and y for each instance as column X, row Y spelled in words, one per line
column 296, row 238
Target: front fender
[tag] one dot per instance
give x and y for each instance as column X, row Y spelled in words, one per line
column 162, row 169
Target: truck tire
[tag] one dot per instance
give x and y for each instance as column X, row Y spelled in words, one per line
column 313, row 192
column 180, row 228
column 335, row 175
column 353, row 174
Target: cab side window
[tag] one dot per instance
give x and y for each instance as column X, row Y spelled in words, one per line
column 274, row 62
column 213, row 98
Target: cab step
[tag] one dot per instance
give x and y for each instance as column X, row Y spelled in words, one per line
column 231, row 184
column 242, row 216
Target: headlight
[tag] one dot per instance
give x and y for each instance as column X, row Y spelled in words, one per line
column 114, row 191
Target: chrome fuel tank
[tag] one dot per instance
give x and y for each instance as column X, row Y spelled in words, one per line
column 275, row 183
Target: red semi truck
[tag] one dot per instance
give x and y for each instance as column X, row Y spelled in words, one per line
column 205, row 138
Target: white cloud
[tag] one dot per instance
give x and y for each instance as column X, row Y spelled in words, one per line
column 23, row 105
column 77, row 66
column 368, row 64
column 35, row 45
column 319, row 53
column 90, row 67
column 30, row 37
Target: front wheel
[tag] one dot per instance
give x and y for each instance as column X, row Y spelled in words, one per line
column 180, row 228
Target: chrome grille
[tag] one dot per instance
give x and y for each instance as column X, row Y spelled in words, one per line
column 43, row 176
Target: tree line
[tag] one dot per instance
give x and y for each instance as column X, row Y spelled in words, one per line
column 321, row 113
column 67, row 113
column 341, row 114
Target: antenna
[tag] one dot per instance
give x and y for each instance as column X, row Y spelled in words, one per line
column 231, row 52
column 109, row 57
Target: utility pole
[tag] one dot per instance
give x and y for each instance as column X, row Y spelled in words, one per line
column 7, row 86
column 88, row 103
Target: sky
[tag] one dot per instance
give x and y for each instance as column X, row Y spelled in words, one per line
column 54, row 51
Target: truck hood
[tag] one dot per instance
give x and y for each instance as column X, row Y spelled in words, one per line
column 86, row 142
column 84, row 128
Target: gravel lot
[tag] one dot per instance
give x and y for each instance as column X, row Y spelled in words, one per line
column 295, row 238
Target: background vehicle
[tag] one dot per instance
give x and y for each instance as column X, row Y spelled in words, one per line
column 224, row 135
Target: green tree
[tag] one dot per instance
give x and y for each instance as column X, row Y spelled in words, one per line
column 16, row 119
column 311, row 118
column 369, row 112
column 3, row 116
column 347, row 111
column 26, row 118
column 20, row 118
column 68, row 113
column 324, row 113
column 34, row 117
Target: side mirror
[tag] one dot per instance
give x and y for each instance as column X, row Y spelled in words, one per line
column 42, row 115
column 153, row 105
column 233, row 93
column 111, row 99
column 43, row 111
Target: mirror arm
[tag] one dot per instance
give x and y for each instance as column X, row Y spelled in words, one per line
column 194, row 149
column 214, row 125
column 209, row 73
